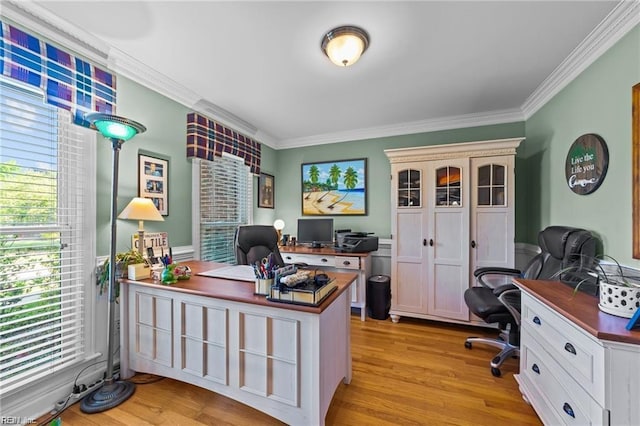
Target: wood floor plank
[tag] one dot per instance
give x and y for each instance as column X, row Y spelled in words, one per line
column 414, row 372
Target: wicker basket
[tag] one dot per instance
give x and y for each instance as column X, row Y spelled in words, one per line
column 619, row 300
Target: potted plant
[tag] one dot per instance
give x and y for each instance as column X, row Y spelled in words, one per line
column 619, row 293
column 123, row 260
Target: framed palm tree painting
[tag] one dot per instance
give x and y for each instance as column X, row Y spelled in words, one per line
column 335, row 188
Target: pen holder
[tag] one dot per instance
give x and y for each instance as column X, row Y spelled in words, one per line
column 263, row 286
column 156, row 273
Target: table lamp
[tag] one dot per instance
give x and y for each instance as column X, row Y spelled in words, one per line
column 141, row 209
column 114, row 392
column 279, row 225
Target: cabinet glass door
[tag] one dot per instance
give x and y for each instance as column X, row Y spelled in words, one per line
column 448, row 186
column 491, row 185
column 409, row 188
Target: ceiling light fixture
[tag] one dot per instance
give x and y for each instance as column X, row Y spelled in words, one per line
column 344, row 45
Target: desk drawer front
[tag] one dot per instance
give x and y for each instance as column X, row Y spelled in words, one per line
column 347, row 262
column 309, row 259
column 568, row 345
column 560, row 392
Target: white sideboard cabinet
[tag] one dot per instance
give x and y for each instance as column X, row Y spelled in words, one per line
column 578, row 365
column 452, row 211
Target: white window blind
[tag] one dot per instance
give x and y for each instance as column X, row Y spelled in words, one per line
column 225, row 202
column 43, row 197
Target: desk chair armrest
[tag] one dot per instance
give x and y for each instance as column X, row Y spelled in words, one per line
column 498, row 271
column 495, row 277
column 510, row 298
column 502, row 288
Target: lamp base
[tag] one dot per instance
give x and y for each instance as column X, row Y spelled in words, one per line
column 107, row 397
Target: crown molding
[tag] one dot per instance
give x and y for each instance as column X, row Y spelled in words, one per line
column 36, row 18
column 624, row 17
column 422, row 126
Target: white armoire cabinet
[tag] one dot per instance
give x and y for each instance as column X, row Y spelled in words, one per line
column 452, row 211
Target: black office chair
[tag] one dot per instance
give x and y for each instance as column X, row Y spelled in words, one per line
column 496, row 300
column 255, row 242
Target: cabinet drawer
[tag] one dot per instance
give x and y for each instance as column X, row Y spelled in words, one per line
column 561, row 395
column 579, row 354
column 347, row 262
column 309, row 259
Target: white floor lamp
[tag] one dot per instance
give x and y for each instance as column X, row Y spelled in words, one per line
column 112, row 393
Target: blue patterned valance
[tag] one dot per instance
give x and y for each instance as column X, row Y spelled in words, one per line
column 207, row 138
column 67, row 81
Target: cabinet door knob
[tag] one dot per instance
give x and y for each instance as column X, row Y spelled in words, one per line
column 431, row 242
column 346, row 262
column 535, row 368
column 424, row 242
column 570, row 348
column 536, row 320
column 567, row 409
column 473, row 244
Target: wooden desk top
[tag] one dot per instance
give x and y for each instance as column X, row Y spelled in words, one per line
column 580, row 308
column 240, row 291
column 330, row 251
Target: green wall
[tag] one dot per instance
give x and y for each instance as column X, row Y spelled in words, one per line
column 378, row 219
column 166, row 123
column 598, row 101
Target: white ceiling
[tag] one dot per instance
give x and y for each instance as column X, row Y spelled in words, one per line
column 428, row 61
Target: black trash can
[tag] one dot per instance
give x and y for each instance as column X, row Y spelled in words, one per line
column 379, row 297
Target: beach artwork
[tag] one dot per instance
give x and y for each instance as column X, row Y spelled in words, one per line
column 334, row 188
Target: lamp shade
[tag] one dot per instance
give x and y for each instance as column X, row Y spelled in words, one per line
column 279, row 224
column 141, row 209
column 345, row 45
column 114, row 127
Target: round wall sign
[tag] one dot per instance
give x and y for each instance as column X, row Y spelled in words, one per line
column 587, row 163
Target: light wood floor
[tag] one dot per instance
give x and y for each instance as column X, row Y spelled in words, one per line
column 411, row 373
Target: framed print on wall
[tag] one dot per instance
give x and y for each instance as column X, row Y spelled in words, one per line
column 335, row 188
column 153, row 174
column 266, row 191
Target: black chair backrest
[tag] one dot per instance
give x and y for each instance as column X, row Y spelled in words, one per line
column 562, row 247
column 255, row 242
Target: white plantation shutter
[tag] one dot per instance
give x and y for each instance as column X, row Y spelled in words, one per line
column 225, row 194
column 44, row 195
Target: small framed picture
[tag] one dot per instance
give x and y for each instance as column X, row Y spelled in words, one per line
column 153, row 174
column 266, row 191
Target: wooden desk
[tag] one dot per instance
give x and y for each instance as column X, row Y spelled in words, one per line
column 329, row 259
column 578, row 365
column 285, row 360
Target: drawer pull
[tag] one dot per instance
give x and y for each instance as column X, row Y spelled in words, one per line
column 569, row 348
column 323, row 260
column 567, row 409
column 535, row 368
column 346, row 262
column 288, row 257
column 536, row 320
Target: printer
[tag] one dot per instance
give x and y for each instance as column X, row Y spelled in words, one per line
column 355, row 242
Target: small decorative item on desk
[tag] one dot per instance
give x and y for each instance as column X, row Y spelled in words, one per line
column 264, row 271
column 168, row 277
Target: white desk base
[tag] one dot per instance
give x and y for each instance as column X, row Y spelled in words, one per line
column 285, row 363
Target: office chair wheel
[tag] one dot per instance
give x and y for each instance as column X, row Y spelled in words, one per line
column 467, row 345
column 495, row 371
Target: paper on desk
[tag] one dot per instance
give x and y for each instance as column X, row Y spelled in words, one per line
column 232, row 272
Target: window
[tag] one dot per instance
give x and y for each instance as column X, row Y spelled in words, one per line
column 47, row 223
column 224, row 202
column 491, row 185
